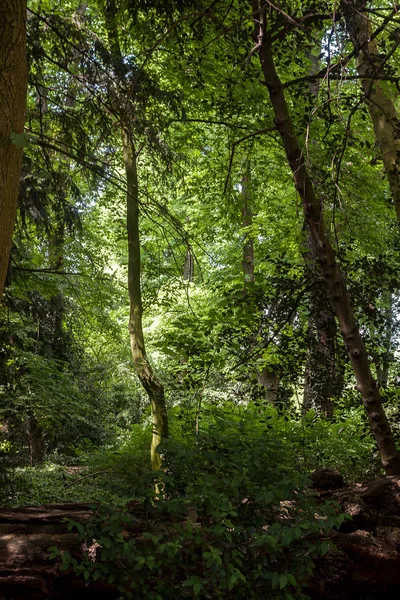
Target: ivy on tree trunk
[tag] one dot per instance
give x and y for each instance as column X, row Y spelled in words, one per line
column 312, row 208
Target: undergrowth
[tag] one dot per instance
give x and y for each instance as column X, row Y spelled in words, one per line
column 234, row 520
column 116, row 473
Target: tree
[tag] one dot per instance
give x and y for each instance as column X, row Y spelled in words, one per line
column 13, row 90
column 371, row 68
column 312, row 208
column 147, row 377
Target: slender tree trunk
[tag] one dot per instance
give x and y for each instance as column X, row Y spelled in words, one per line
column 265, row 378
column 247, row 214
column 147, row 377
column 13, row 90
column 143, row 368
column 381, row 107
column 188, row 270
column 383, row 362
column 312, row 207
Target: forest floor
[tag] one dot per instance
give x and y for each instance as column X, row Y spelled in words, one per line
column 365, row 565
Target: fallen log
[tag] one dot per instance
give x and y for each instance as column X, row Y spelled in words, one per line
column 26, row 571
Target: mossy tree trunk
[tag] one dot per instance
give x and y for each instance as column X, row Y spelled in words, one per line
column 144, row 371
column 13, row 90
column 321, row 380
column 322, row 375
column 143, row 368
column 312, row 208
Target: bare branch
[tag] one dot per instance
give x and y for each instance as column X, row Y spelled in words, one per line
column 239, row 141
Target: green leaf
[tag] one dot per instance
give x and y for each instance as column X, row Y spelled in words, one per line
column 197, row 587
column 20, row 140
column 283, row 580
column 324, row 547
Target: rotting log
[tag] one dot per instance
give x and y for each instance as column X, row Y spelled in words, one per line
column 26, row 571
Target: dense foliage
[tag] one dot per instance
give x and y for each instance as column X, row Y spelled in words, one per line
column 158, row 110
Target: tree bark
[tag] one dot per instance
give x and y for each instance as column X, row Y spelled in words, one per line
column 312, row 208
column 269, row 381
column 383, row 113
column 13, row 90
column 188, row 271
column 35, row 441
column 247, row 214
column 143, row 368
column 321, row 372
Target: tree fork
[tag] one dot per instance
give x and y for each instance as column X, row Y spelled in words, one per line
column 312, row 207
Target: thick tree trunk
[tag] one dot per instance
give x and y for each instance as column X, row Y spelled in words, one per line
column 143, row 368
column 35, row 441
column 312, row 207
column 381, row 107
column 13, row 89
column 321, row 372
column 269, row 381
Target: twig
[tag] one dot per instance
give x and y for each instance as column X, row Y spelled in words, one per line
column 86, row 477
column 239, row 141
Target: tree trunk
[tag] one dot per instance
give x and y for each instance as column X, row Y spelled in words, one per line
column 320, row 381
column 143, row 368
column 381, row 107
column 265, row 378
column 269, row 381
column 247, row 214
column 321, row 372
column 35, row 441
column 13, row 90
column 188, row 271
column 147, row 377
column 384, row 360
column 312, row 207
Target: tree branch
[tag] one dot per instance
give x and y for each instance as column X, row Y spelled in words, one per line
column 239, row 141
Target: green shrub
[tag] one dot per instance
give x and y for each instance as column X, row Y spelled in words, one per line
column 233, row 522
